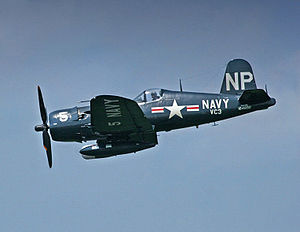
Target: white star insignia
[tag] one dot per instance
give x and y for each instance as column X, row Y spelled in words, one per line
column 175, row 109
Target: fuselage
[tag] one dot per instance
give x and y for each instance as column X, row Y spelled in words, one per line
column 166, row 110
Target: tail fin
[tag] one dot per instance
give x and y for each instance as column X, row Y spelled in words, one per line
column 238, row 77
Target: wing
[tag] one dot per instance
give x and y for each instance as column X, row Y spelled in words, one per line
column 122, row 118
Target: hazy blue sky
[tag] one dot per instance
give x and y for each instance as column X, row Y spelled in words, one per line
column 243, row 175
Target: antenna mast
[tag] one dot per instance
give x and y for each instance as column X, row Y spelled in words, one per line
column 180, row 85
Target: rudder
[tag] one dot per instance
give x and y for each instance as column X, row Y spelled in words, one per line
column 238, row 77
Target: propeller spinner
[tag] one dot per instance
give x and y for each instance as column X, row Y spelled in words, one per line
column 44, row 127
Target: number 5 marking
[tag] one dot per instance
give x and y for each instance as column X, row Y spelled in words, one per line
column 114, row 123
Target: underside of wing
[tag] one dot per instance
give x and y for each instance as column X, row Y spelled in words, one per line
column 121, row 118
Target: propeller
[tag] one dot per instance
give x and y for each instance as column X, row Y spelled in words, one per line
column 44, row 127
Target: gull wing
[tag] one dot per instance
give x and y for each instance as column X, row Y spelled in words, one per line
column 121, row 117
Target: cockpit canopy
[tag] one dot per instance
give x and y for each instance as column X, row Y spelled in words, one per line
column 149, row 95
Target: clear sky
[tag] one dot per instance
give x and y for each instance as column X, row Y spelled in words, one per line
column 242, row 175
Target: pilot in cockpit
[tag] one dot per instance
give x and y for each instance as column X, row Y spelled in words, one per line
column 154, row 96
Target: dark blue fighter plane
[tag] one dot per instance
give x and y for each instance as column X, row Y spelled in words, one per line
column 120, row 125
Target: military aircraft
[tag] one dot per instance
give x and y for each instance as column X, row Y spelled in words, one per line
column 120, row 125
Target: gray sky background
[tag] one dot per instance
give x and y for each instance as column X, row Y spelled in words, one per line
column 242, row 175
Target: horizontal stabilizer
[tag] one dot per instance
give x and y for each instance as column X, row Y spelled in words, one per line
column 254, row 96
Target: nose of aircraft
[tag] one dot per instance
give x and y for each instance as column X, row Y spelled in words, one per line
column 41, row 127
column 64, row 125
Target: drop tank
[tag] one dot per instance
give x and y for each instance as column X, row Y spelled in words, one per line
column 96, row 151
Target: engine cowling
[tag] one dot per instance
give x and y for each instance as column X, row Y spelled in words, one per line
column 96, row 151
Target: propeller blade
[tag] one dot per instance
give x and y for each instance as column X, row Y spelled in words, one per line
column 42, row 106
column 47, row 146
